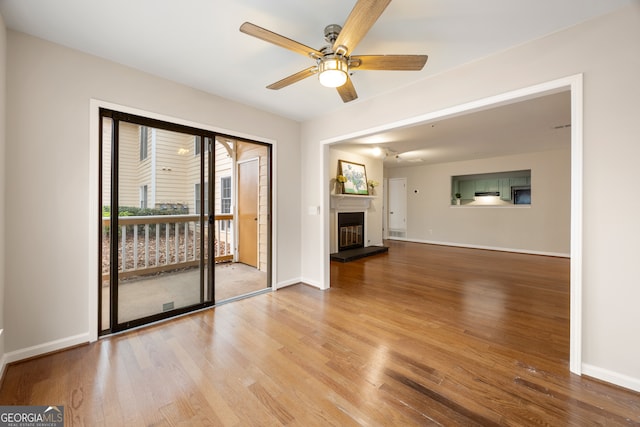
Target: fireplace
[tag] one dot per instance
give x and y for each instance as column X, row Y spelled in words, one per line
column 350, row 230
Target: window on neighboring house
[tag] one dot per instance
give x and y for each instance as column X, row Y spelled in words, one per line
column 225, row 195
column 144, row 131
column 206, row 198
column 196, row 145
column 143, row 196
column 225, row 199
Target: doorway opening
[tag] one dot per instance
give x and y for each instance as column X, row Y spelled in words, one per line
column 572, row 84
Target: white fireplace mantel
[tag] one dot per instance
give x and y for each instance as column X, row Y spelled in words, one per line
column 351, row 202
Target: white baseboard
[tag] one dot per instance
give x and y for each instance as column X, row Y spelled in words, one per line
column 45, row 348
column 489, row 248
column 313, row 283
column 286, row 283
column 302, row 280
column 611, row 377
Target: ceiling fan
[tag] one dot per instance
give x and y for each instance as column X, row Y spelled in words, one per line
column 334, row 61
column 391, row 155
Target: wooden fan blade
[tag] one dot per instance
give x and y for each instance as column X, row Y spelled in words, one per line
column 364, row 14
column 388, row 62
column 293, row 78
column 278, row 40
column 347, row 91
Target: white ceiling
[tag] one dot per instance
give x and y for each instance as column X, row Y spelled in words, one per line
column 539, row 124
column 197, row 42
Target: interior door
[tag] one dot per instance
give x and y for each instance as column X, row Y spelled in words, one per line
column 397, row 204
column 248, row 185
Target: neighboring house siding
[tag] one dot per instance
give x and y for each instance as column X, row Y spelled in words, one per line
column 130, row 165
column 133, row 172
column 223, row 168
column 174, row 165
column 177, row 167
column 192, row 172
column 144, row 173
column 263, row 218
column 106, row 161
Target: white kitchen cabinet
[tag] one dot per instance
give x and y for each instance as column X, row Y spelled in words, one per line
column 505, row 189
column 467, row 189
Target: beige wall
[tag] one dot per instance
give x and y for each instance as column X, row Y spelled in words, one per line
column 3, row 180
column 48, row 207
column 544, row 227
column 605, row 50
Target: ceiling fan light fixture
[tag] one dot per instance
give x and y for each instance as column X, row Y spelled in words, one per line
column 334, row 60
column 332, row 71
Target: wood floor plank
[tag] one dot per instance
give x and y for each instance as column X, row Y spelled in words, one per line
column 421, row 335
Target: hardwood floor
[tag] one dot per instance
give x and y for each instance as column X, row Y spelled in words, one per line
column 423, row 335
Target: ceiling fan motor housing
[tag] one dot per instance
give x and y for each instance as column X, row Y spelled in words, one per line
column 331, row 33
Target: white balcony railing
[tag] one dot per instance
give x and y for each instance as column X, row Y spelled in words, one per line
column 154, row 244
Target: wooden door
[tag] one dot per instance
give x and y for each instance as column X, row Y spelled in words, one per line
column 248, row 173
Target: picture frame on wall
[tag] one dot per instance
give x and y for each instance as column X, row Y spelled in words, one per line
column 356, row 175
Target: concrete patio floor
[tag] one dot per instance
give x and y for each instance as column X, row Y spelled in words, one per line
column 147, row 296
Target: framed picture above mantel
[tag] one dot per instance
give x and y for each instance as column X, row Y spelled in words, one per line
column 355, row 175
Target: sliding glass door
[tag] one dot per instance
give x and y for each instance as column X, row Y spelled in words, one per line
column 155, row 223
column 173, row 199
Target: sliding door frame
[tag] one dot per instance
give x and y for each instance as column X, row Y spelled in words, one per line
column 207, row 141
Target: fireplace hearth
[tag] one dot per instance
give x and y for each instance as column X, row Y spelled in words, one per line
column 351, row 237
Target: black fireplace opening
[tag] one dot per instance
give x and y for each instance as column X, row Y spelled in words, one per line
column 350, row 230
